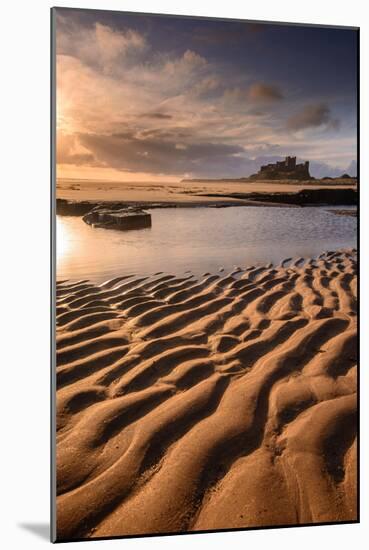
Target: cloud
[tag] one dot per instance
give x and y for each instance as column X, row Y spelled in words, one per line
column 206, row 86
column 264, row 92
column 256, row 96
column 160, row 116
column 334, row 124
column 225, row 34
column 322, row 169
column 312, row 116
column 100, row 46
column 153, row 155
column 160, row 152
column 352, row 168
column 125, row 104
column 97, row 97
column 189, row 62
column 112, row 44
column 236, row 95
column 70, row 151
column 172, row 134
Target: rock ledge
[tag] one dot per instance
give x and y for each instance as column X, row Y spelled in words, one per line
column 120, row 219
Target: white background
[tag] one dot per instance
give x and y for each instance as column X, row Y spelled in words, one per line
column 24, row 298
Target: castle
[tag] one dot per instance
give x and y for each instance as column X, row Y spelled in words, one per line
column 284, row 169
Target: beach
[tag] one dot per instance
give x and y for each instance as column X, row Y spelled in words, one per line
column 220, row 401
column 182, row 193
column 205, row 209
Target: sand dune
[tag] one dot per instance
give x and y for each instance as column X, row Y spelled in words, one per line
column 224, row 402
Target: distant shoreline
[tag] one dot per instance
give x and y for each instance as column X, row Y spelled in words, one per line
column 351, row 181
column 304, row 197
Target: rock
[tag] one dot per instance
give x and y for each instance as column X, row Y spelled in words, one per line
column 344, row 212
column 307, row 197
column 72, row 208
column 122, row 219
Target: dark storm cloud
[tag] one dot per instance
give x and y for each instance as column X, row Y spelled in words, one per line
column 127, row 153
column 161, row 156
column 312, row 116
column 173, row 134
column 260, row 91
column 159, row 116
column 154, row 155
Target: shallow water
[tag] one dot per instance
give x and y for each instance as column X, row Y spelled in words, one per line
column 199, row 240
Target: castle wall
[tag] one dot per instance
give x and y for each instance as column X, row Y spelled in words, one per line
column 287, row 169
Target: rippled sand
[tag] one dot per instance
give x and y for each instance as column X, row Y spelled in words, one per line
column 224, row 402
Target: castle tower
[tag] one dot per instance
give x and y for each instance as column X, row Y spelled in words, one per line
column 284, row 168
column 290, row 163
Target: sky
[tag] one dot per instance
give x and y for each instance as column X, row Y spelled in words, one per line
column 157, row 98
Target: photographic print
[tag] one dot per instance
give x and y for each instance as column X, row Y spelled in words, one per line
column 205, row 190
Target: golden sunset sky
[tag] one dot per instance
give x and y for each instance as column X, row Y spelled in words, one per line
column 157, row 98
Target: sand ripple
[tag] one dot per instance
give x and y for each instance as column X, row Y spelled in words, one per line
column 224, row 402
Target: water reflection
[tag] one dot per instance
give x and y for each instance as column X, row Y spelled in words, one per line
column 200, row 240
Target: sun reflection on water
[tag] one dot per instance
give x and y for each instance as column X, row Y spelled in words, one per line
column 64, row 239
column 198, row 239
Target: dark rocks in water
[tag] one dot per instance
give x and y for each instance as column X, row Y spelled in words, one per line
column 343, row 212
column 65, row 207
column 328, row 196
column 120, row 219
column 108, row 215
column 307, row 197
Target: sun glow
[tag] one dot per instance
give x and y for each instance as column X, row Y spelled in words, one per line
column 64, row 241
column 61, row 120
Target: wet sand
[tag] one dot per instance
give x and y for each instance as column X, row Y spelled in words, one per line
column 223, row 402
column 182, row 193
